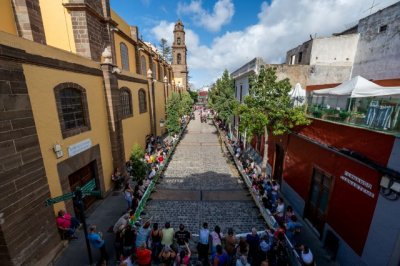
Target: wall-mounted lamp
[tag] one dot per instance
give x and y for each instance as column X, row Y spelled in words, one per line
column 390, row 189
column 162, row 123
column 58, row 151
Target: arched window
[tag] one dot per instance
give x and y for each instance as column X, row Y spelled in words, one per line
column 142, row 101
column 126, row 103
column 72, row 109
column 143, row 65
column 178, row 59
column 124, row 56
column 178, row 41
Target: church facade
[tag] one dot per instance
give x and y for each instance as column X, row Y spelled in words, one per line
column 78, row 88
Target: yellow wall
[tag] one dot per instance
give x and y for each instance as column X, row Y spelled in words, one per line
column 131, row 51
column 160, row 105
column 135, row 128
column 7, row 17
column 41, row 82
column 57, row 24
column 122, row 25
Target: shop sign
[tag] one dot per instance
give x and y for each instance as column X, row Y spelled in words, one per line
column 79, row 147
column 358, row 183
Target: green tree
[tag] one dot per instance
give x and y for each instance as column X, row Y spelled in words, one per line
column 186, row 104
column 139, row 166
column 165, row 50
column 268, row 109
column 173, row 114
column 178, row 105
column 222, row 97
column 194, row 95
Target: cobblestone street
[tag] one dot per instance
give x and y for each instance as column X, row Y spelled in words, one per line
column 200, row 185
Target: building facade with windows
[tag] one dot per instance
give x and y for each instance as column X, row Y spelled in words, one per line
column 78, row 89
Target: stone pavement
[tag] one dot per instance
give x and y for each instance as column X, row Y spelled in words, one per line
column 201, row 185
column 104, row 215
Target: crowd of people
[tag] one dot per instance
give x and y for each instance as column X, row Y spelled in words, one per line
column 148, row 244
column 267, row 191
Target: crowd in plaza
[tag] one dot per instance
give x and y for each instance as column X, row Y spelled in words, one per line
column 267, row 191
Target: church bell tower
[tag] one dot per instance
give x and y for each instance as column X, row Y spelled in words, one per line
column 179, row 55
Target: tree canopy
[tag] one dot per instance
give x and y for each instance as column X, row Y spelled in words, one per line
column 178, row 105
column 268, row 108
column 165, row 50
column 222, row 97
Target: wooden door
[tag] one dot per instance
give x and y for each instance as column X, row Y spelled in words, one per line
column 80, row 178
column 317, row 205
column 278, row 163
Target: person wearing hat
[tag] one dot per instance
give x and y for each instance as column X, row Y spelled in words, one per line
column 96, row 240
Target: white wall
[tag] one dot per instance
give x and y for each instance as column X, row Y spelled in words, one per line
column 334, row 51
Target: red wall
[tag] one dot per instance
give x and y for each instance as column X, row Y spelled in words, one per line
column 374, row 145
column 350, row 211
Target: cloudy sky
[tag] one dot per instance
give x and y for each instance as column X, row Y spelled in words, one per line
column 226, row 34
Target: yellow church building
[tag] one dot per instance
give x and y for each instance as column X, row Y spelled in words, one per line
column 78, row 88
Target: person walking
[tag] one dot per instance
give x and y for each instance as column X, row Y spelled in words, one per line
column 96, row 240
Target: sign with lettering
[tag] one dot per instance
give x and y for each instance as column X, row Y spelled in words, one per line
column 358, row 183
column 79, row 147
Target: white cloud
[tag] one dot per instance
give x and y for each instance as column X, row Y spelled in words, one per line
column 222, row 13
column 281, row 26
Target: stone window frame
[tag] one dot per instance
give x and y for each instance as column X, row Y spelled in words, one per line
column 142, row 101
column 124, row 51
column 126, row 103
column 178, row 40
column 178, row 59
column 143, row 65
column 66, row 133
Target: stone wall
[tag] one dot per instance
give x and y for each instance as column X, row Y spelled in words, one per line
column 28, row 19
column 378, row 51
column 29, row 230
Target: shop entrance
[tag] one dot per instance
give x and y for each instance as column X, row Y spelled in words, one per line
column 317, row 205
column 80, row 177
column 278, row 163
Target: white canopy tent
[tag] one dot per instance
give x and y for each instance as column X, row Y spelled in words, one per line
column 298, row 95
column 359, row 87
